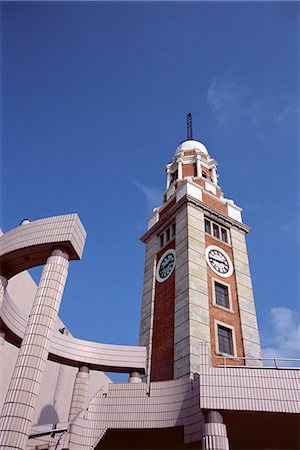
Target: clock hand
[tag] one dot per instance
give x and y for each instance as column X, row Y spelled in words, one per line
column 218, row 260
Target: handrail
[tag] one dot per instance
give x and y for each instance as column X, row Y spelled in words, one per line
column 45, row 433
column 274, row 359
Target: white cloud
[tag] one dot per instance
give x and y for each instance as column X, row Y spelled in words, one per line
column 288, row 112
column 284, row 338
column 229, row 100
column 225, row 98
column 291, row 229
column 153, row 196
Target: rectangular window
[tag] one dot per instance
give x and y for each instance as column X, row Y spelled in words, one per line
column 173, row 227
column 224, row 235
column 225, row 340
column 221, row 295
column 161, row 240
column 168, row 235
column 216, row 232
column 207, row 226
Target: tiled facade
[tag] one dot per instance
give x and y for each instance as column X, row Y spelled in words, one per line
column 242, row 388
column 185, row 401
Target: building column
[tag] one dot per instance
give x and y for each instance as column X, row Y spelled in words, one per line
column 21, row 398
column 3, row 284
column 198, row 165
column 214, row 175
column 135, row 377
column 179, row 166
column 80, row 392
column 168, row 176
column 215, row 433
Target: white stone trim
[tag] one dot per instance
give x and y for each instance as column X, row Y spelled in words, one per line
column 230, row 327
column 210, row 187
column 214, row 174
column 179, row 168
column 168, row 166
column 153, row 218
column 234, row 211
column 214, row 281
column 170, row 191
column 198, row 164
column 189, row 188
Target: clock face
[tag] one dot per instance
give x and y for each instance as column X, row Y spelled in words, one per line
column 219, row 261
column 165, row 266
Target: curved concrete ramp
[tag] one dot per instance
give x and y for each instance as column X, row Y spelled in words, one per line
column 77, row 352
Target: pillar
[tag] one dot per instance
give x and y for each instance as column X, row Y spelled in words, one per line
column 20, row 402
column 198, row 165
column 3, row 284
column 214, row 175
column 80, row 392
column 215, row 433
column 135, row 377
column 179, row 166
column 168, row 177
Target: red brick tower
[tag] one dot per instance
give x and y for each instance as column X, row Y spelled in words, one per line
column 197, row 283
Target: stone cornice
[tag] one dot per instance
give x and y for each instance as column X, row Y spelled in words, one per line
column 219, row 216
column 208, row 210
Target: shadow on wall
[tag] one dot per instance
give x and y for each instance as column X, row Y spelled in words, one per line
column 48, row 415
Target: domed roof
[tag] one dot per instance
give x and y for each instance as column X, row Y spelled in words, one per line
column 186, row 146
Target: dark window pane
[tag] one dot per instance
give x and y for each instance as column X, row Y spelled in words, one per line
column 162, row 240
column 225, row 340
column 168, row 235
column 224, row 235
column 207, row 226
column 204, row 174
column 216, row 231
column 173, row 229
column 222, row 297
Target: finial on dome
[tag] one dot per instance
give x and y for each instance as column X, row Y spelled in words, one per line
column 189, row 127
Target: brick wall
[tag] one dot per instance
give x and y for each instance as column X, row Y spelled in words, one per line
column 189, row 170
column 163, row 326
column 214, row 203
column 216, row 313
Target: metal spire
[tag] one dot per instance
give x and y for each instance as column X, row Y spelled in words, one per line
column 189, row 127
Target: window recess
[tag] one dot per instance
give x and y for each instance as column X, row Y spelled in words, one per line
column 216, row 230
column 222, row 295
column 225, row 340
column 167, row 235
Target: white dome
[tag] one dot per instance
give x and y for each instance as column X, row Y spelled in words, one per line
column 191, row 145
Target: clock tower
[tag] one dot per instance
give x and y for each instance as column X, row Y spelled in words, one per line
column 197, row 283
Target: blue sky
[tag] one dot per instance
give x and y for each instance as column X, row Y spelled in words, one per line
column 94, row 103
